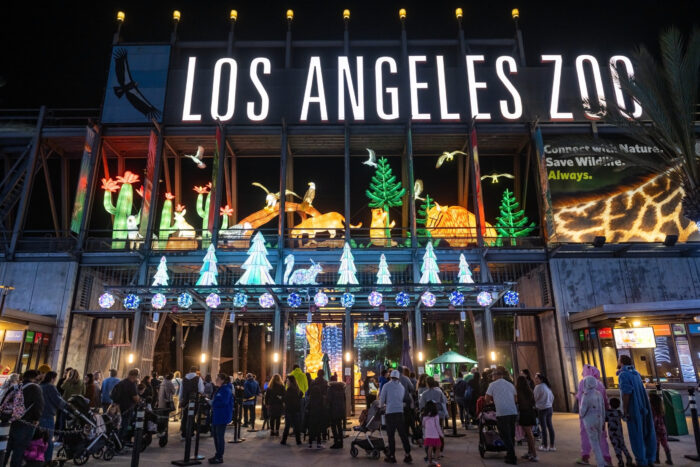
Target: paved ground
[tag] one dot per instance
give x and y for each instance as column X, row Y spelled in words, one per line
column 260, row 450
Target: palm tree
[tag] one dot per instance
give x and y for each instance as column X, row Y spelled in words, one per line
column 668, row 93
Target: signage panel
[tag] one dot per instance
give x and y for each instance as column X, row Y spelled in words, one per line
column 634, row 338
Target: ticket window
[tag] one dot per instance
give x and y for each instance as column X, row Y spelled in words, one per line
column 607, row 349
column 694, row 338
column 11, row 347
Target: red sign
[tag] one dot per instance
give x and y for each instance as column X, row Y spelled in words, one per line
column 605, row 333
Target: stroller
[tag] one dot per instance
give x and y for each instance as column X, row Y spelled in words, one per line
column 489, row 439
column 158, row 425
column 87, row 435
column 372, row 422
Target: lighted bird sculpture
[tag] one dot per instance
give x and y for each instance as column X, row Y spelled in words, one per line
column 448, row 156
column 418, row 189
column 372, row 161
column 494, row 177
column 272, row 198
column 309, row 196
column 197, row 158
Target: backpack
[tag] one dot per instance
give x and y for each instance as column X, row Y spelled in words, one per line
column 12, row 407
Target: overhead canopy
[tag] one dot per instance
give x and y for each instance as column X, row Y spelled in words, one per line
column 450, row 357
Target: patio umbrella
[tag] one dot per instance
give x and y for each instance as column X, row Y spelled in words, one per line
column 451, row 358
column 406, row 361
column 326, row 367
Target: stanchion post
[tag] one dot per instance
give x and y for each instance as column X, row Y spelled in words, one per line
column 198, row 424
column 138, row 435
column 453, row 409
column 188, row 437
column 4, row 435
column 696, row 425
column 237, row 423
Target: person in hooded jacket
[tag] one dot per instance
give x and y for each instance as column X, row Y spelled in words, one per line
column 637, row 412
column 300, row 377
column 292, row 409
column 191, row 385
column 589, row 370
column 592, row 414
column 274, row 400
column 222, row 410
column 336, row 411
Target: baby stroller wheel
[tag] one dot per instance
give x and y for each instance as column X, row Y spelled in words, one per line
column 146, row 441
column 108, row 454
column 375, row 454
column 81, row 458
column 481, row 451
column 97, row 454
column 163, row 441
column 353, row 451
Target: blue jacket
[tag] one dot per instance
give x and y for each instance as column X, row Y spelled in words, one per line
column 222, row 405
column 107, row 386
column 252, row 390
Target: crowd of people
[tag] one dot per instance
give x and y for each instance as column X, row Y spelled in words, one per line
column 415, row 409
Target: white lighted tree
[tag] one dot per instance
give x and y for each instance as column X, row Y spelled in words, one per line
column 257, row 266
column 383, row 275
column 161, row 276
column 465, row 275
column 347, row 267
column 208, row 272
column 429, row 268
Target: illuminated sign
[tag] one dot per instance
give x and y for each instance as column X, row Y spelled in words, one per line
column 605, row 333
column 634, row 338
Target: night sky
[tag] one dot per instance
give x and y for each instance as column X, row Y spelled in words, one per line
column 57, row 53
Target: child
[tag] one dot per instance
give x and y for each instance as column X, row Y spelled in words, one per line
column 592, row 412
column 432, row 432
column 657, row 410
column 617, row 437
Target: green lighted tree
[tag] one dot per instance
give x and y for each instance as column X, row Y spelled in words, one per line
column 422, row 218
column 512, row 222
column 384, row 191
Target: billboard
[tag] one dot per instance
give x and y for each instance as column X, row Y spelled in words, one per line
column 136, row 84
column 595, row 194
column 634, row 338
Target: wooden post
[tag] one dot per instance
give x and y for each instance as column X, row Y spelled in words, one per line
column 235, row 342
column 179, row 351
column 65, row 195
column 264, row 360
column 178, row 179
column 244, row 352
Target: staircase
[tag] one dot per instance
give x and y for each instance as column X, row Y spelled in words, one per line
column 11, row 191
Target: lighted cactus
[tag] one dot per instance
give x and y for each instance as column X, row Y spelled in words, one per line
column 225, row 211
column 122, row 210
column 167, row 226
column 203, row 200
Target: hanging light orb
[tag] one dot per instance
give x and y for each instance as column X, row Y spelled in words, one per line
column 456, row 298
column 106, row 300
column 158, row 301
column 294, row 300
column 484, row 298
column 213, row 300
column 347, row 300
column 321, row 299
column 403, row 299
column 240, row 300
column 511, row 298
column 184, row 300
column 428, row 299
column 375, row 299
column 132, row 301
column 266, row 300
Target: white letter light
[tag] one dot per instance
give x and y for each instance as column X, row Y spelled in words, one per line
column 231, row 101
column 264, row 99
column 554, row 113
column 442, row 91
column 314, row 74
column 619, row 97
column 392, row 91
column 357, row 101
column 415, row 86
column 517, row 102
column 187, row 115
column 583, row 87
column 473, row 86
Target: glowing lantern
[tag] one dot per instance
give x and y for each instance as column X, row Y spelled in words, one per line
column 106, row 300
column 403, row 299
column 132, row 302
column 457, row 298
column 266, row 300
column 184, row 300
column 347, row 300
column 240, row 300
column 158, row 301
column 511, row 298
column 321, row 299
column 428, row 299
column 375, row 299
column 213, row 300
column 484, row 299
column 294, row 300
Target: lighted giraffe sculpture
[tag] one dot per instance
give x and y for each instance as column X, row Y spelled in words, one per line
column 314, row 336
column 647, row 212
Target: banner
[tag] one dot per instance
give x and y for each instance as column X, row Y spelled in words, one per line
column 81, row 191
column 478, row 193
column 595, row 194
column 147, row 188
